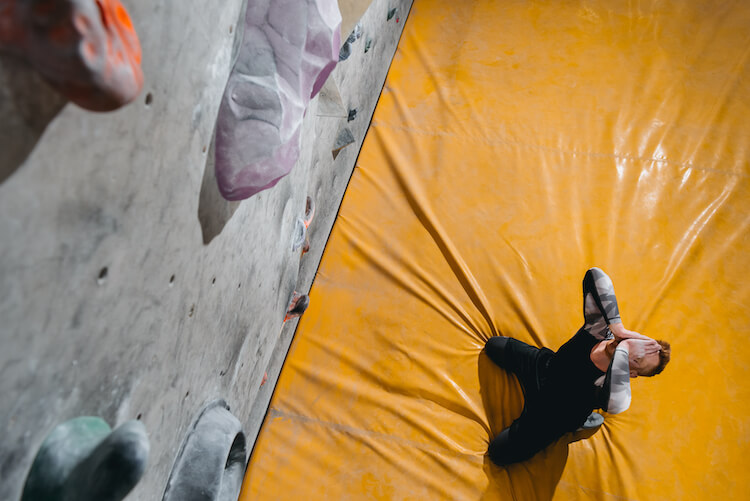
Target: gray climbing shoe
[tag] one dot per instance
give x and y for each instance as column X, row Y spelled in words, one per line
column 594, row 420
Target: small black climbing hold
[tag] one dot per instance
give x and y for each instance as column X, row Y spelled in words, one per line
column 368, row 44
column 297, row 305
column 300, row 306
column 346, row 49
column 352, row 115
column 343, row 139
column 345, row 52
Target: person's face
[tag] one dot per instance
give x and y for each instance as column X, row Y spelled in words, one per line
column 643, row 365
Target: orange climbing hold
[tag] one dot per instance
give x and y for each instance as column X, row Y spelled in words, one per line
column 87, row 49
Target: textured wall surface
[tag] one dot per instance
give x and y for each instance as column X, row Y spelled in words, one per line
column 128, row 287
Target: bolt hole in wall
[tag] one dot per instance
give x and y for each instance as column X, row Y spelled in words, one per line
column 213, row 281
column 171, row 281
column 102, row 276
column 139, row 416
column 149, row 99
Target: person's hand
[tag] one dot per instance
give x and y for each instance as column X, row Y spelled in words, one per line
column 640, row 348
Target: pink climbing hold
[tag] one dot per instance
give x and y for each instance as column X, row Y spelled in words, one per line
column 288, row 50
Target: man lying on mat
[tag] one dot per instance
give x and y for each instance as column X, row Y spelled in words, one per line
column 590, row 371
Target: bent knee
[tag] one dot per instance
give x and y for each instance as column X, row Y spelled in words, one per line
column 500, row 450
column 514, row 445
column 495, row 349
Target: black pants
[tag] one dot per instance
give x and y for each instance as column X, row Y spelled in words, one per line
column 534, row 429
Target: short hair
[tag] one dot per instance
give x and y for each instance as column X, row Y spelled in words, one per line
column 664, row 356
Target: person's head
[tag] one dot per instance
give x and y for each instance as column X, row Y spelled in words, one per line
column 652, row 363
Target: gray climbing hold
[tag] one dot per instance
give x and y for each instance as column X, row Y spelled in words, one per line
column 84, row 460
column 346, row 49
column 345, row 52
column 300, row 238
column 356, row 33
column 300, row 234
column 343, row 139
column 330, row 103
column 211, row 463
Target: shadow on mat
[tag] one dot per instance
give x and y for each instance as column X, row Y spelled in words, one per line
column 536, row 478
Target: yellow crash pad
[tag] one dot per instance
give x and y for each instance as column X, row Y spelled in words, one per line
column 515, row 145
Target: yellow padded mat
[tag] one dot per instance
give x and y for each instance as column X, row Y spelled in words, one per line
column 515, row 145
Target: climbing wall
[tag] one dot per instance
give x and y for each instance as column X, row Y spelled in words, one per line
column 515, row 145
column 130, row 289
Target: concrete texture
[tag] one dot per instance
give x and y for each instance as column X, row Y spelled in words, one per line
column 129, row 288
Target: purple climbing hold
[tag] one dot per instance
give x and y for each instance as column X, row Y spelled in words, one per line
column 287, row 53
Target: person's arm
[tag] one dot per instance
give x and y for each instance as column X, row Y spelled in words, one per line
column 599, row 304
column 617, row 381
column 621, row 333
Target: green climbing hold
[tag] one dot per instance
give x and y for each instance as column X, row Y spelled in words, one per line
column 84, row 460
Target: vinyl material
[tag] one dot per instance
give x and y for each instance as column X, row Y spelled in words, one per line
column 515, row 145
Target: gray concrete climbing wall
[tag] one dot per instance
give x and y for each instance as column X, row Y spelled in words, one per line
column 128, row 287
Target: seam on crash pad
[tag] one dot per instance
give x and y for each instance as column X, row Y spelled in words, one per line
column 272, row 413
column 590, row 491
column 550, row 149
